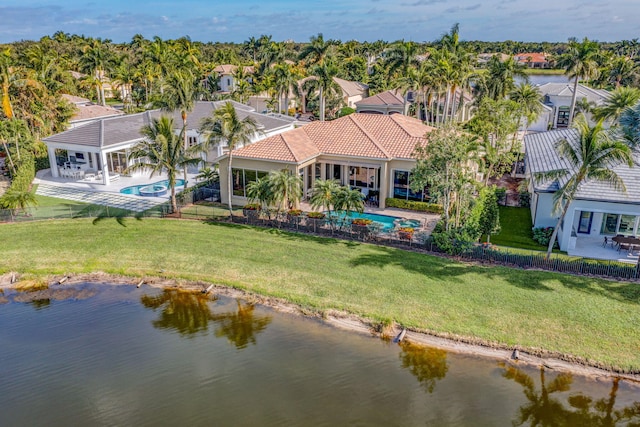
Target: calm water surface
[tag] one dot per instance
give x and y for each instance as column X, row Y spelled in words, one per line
column 118, row 355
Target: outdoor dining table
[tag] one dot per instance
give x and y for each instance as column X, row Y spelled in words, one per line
column 627, row 240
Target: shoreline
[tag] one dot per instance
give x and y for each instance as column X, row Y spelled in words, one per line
column 532, row 357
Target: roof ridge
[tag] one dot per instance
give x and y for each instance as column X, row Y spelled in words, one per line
column 286, row 143
column 401, row 117
column 379, row 146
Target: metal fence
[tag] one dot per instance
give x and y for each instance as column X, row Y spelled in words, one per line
column 417, row 241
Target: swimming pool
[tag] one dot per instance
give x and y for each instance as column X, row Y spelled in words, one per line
column 388, row 222
column 156, row 189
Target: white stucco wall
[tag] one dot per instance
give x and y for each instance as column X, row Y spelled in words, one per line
column 542, row 207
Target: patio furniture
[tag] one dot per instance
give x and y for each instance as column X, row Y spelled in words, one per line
column 626, row 242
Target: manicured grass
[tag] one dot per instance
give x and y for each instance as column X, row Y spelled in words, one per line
column 547, row 71
column 591, row 318
column 515, row 224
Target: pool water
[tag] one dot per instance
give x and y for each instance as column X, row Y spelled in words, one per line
column 388, row 222
column 135, row 189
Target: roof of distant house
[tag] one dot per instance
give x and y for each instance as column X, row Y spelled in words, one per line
column 356, row 135
column 533, row 57
column 117, row 130
column 228, row 69
column 597, row 96
column 351, row 88
column 86, row 110
column 386, row 98
column 541, row 156
column 75, row 99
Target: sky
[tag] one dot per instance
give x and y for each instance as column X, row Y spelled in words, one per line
column 298, row 20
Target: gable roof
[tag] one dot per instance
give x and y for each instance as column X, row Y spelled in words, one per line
column 356, row 135
column 532, row 57
column 352, row 88
column 227, row 69
column 387, row 98
column 541, row 156
column 116, row 130
column 597, row 96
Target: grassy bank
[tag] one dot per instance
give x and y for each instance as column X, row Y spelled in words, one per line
column 590, row 318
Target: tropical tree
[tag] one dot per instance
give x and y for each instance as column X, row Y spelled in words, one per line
column 591, row 157
column 500, row 78
column 630, row 127
column 619, row 100
column 18, row 199
column 486, row 213
column 286, row 188
column 261, row 191
column 161, row 151
column 226, row 127
column 96, row 61
column 348, row 200
column 528, row 98
column 317, row 50
column 284, row 79
column 323, row 79
column 579, row 62
column 323, row 194
column 208, row 175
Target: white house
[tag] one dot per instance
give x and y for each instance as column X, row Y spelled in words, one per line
column 226, row 74
column 352, row 92
column 597, row 211
column 558, row 96
column 100, row 149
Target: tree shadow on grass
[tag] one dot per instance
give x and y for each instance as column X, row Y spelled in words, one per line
column 446, row 269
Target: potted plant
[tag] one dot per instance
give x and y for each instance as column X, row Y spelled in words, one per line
column 406, row 233
column 251, row 210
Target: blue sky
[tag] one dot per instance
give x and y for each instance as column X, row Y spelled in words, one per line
column 237, row 20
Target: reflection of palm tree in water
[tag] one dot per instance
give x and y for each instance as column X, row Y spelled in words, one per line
column 427, row 364
column 186, row 312
column 240, row 327
column 543, row 410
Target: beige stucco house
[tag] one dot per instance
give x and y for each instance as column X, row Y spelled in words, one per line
column 370, row 152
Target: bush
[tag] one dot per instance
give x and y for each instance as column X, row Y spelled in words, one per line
column 542, row 235
column 455, row 241
column 413, row 206
column 501, row 194
column 524, row 199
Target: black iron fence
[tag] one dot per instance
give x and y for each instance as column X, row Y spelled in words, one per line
column 416, row 241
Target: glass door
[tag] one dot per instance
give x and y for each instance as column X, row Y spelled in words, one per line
column 585, row 222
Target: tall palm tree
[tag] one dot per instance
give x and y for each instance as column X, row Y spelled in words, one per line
column 619, row 100
column 97, row 61
column 285, row 79
column 401, row 56
column 286, row 188
column 324, row 74
column 590, row 158
column 528, row 98
column 181, row 95
column 226, row 126
column 579, row 62
column 317, row 50
column 500, row 79
column 348, row 200
column 630, row 127
column 162, row 151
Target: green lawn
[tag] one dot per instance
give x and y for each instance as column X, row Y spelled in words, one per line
column 587, row 317
column 515, row 224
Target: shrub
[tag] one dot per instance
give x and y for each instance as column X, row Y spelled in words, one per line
column 361, row 221
column 316, row 215
column 501, row 194
column 414, row 206
column 524, row 199
column 294, row 212
column 542, row 235
column 453, row 242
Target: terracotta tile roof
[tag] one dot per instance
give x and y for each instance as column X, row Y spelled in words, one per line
column 534, row 57
column 228, row 69
column 370, row 136
column 352, row 88
column 86, row 112
column 389, row 97
column 75, row 99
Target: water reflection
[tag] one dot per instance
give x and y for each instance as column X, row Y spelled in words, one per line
column 241, row 326
column 41, row 298
column 189, row 313
column 427, row 364
column 542, row 409
column 186, row 312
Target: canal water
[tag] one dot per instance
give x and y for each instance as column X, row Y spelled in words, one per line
column 117, row 355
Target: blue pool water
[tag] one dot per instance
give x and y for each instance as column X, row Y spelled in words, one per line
column 135, row 189
column 388, row 222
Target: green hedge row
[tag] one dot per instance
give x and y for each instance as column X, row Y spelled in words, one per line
column 25, row 174
column 413, row 206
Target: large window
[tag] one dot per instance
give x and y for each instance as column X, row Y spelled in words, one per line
column 402, row 190
column 619, row 224
column 363, row 177
column 242, row 177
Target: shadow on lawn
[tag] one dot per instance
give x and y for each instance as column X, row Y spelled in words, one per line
column 526, row 279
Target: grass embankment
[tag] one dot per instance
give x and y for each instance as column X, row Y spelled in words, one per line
column 590, row 318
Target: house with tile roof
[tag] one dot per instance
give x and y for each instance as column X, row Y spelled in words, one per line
column 387, row 102
column 533, row 60
column 352, row 92
column 102, row 147
column 369, row 152
column 226, row 76
column 86, row 111
column 558, row 96
column 598, row 209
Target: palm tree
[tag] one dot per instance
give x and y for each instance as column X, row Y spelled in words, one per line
column 181, row 96
column 261, row 191
column 323, row 194
column 402, row 56
column 630, row 127
column 620, row 99
column 579, row 62
column 285, row 79
column 162, row 151
column 500, row 79
column 286, row 188
column 528, row 98
column 590, row 158
column 317, row 50
column 348, row 200
column 226, row 126
column 324, row 74
column 97, row 60
column 16, row 199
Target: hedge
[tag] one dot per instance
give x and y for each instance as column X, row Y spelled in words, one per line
column 413, row 206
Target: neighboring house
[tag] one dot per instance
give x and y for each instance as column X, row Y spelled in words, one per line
column 533, row 60
column 352, row 92
column 484, row 58
column 370, row 152
column 545, row 119
column 598, row 210
column 226, row 76
column 388, row 102
column 102, row 147
column 558, row 96
column 87, row 111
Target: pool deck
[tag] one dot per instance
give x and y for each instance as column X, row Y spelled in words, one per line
column 97, row 193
